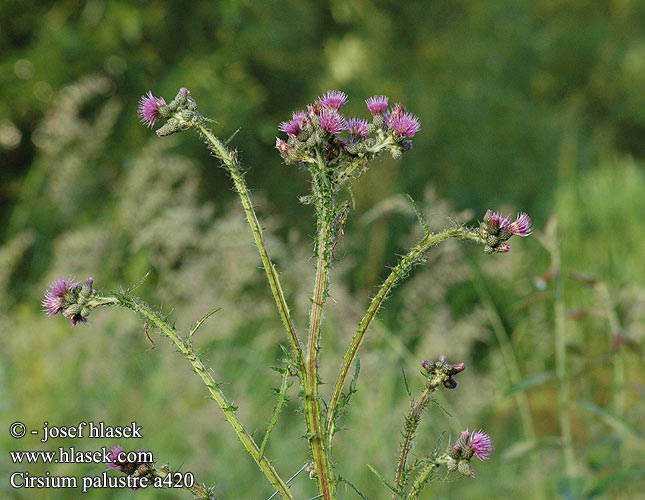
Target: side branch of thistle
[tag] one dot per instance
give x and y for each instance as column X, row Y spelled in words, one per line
column 422, row 479
column 213, row 388
column 399, row 272
column 229, row 158
column 412, row 421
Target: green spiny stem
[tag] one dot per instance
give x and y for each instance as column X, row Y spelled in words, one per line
column 229, row 158
column 398, row 272
column 213, row 388
column 411, row 424
column 313, row 416
column 421, row 479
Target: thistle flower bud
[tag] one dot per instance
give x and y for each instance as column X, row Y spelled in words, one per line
column 441, row 372
column 465, row 469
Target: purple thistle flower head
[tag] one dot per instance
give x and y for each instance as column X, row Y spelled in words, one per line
column 114, row 462
column 54, row 298
column 333, row 99
column 496, row 220
column 521, row 226
column 404, row 124
column 149, row 107
column 295, row 125
column 377, row 104
column 481, row 445
column 331, row 121
column 357, row 127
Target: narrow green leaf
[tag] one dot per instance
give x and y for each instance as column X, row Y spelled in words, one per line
column 419, row 215
column 384, row 481
column 201, row 321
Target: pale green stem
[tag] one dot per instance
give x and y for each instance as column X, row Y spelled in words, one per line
column 561, row 362
column 398, row 272
column 514, row 376
column 213, row 388
column 229, row 158
column 618, row 394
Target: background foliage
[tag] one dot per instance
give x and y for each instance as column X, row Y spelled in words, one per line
column 535, row 106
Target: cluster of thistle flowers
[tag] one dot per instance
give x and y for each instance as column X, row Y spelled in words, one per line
column 180, row 114
column 468, row 445
column 441, row 372
column 73, row 300
column 496, row 230
column 322, row 122
column 118, row 461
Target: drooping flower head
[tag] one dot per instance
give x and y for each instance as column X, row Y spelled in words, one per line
column 149, row 108
column 72, row 299
column 333, row 99
column 331, row 121
column 357, row 127
column 497, row 229
column 54, row 300
column 377, row 104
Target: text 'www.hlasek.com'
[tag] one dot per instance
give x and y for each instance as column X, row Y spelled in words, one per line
column 134, row 469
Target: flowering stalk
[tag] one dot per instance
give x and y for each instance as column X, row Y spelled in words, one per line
column 438, row 373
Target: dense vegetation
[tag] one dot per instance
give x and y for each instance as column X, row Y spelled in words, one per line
column 536, row 106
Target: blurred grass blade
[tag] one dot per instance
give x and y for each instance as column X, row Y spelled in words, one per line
column 615, row 480
column 619, row 424
column 530, row 382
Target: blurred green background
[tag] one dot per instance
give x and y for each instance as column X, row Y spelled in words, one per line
column 526, row 105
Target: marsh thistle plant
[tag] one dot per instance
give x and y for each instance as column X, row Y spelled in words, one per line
column 334, row 150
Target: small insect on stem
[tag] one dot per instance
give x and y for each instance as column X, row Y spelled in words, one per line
column 146, row 327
